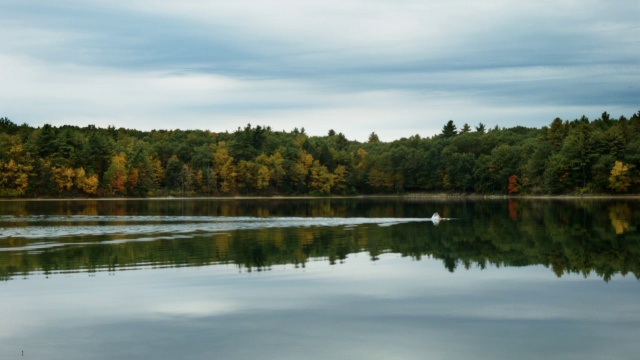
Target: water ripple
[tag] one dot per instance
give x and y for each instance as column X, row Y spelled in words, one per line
column 50, row 227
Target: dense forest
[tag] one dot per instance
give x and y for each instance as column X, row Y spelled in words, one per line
column 581, row 156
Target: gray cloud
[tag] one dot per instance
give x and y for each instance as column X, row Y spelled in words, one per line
column 397, row 69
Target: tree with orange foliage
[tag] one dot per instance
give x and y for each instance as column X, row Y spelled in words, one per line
column 513, row 187
column 116, row 175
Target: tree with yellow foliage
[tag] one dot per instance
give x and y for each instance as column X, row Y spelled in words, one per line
column 14, row 178
column 321, row 179
column 619, row 180
column 269, row 170
column 300, row 169
column 88, row 185
column 262, row 177
column 15, row 166
column 225, row 168
column 340, row 178
column 63, row 176
column 245, row 175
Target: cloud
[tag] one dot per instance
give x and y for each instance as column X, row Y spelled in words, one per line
column 391, row 307
column 355, row 66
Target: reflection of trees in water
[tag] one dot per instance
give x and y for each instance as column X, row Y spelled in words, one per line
column 565, row 236
column 620, row 214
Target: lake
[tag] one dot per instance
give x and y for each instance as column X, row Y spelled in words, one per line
column 370, row 278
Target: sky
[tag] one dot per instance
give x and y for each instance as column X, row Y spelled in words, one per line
column 393, row 308
column 396, row 68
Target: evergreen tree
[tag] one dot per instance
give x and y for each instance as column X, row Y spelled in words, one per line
column 449, row 130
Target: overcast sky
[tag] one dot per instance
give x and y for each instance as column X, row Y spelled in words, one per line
column 398, row 68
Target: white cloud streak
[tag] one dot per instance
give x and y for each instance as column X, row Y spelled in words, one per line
column 353, row 66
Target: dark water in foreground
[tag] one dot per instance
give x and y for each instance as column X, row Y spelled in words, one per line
column 318, row 279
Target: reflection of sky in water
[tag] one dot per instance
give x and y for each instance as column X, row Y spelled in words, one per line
column 392, row 308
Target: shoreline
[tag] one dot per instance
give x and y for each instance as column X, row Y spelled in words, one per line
column 414, row 196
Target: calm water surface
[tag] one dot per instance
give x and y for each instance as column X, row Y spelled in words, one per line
column 318, row 279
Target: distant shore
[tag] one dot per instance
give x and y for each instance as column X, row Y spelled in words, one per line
column 515, row 197
column 410, row 196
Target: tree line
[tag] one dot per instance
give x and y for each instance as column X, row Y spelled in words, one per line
column 581, row 156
